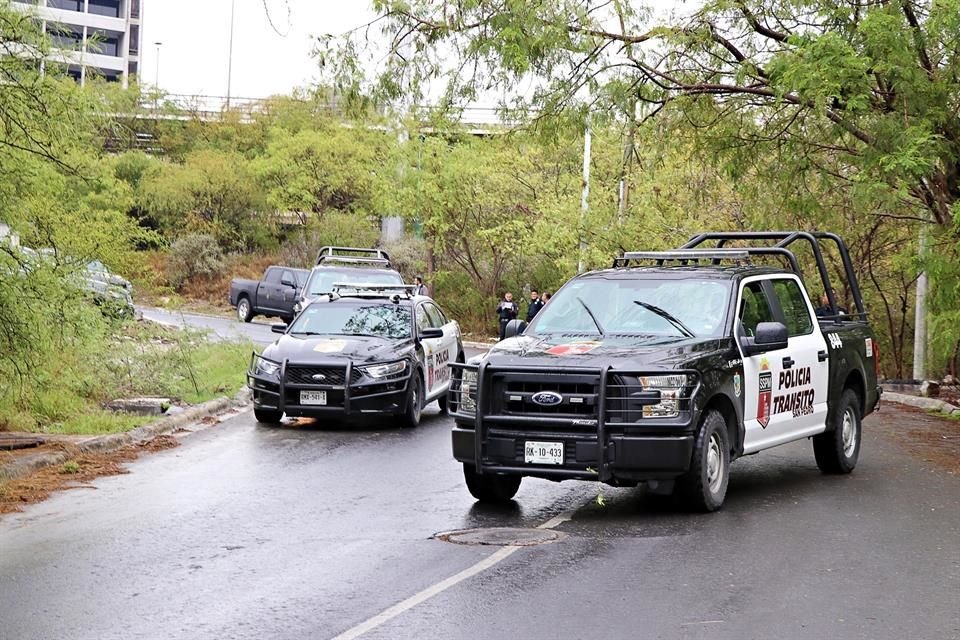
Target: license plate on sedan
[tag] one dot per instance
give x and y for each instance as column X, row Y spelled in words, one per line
column 313, row 397
column 543, row 452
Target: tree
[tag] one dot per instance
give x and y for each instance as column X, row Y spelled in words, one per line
column 874, row 84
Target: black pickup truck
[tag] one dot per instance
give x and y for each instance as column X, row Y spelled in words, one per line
column 667, row 367
column 275, row 295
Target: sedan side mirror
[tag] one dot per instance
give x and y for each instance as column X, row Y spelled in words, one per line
column 278, row 328
column 770, row 336
column 426, row 334
column 514, row 328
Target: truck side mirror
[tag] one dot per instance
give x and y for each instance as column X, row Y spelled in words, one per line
column 289, row 283
column 514, row 328
column 770, row 336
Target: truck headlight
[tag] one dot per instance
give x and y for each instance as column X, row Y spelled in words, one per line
column 670, row 388
column 265, row 368
column 384, row 370
column 468, row 386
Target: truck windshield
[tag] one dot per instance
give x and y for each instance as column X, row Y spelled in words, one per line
column 377, row 319
column 651, row 306
column 322, row 280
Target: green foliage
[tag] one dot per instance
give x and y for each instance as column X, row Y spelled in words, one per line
column 328, row 168
column 193, row 255
column 212, row 192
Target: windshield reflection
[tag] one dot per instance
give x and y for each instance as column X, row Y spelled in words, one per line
column 377, row 319
column 662, row 307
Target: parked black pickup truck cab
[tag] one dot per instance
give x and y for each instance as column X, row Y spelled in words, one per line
column 275, row 295
column 664, row 369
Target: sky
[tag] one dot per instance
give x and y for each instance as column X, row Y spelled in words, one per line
column 195, row 37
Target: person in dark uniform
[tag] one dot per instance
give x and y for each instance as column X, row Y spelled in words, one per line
column 535, row 305
column 507, row 310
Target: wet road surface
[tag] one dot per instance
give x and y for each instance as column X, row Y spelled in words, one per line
column 310, row 531
column 224, row 328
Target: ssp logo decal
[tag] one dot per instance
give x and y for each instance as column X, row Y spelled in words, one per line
column 766, row 394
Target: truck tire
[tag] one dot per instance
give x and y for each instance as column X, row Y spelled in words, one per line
column 489, row 487
column 267, row 416
column 411, row 418
column 837, row 450
column 704, row 486
column 244, row 310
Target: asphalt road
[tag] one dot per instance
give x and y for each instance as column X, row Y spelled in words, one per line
column 258, row 331
column 310, row 531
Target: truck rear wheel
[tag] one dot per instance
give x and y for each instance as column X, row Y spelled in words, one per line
column 837, row 450
column 490, row 487
column 704, row 486
column 244, row 310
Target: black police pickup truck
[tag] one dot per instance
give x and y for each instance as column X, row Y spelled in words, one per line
column 665, row 368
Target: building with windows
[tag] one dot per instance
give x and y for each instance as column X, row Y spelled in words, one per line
column 101, row 37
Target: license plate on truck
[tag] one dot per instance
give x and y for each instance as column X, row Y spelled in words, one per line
column 543, row 452
column 313, row 397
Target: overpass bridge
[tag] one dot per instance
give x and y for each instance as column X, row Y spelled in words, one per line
column 470, row 120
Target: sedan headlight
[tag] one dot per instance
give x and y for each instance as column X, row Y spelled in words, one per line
column 384, row 370
column 670, row 388
column 468, row 385
column 265, row 368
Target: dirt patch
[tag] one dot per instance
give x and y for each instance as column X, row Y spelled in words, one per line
column 924, row 436
column 76, row 473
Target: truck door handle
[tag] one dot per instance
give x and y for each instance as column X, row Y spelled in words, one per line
column 788, row 362
column 821, row 356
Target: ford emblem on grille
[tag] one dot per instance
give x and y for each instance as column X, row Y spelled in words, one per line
column 319, row 377
column 547, row 398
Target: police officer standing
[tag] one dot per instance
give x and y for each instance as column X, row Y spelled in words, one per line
column 535, row 305
column 507, row 310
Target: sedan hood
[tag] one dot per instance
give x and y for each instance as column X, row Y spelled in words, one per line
column 359, row 349
column 595, row 351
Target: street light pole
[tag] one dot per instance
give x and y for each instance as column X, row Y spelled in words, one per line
column 156, row 78
column 233, row 4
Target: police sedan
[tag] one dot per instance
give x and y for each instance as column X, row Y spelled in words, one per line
column 362, row 349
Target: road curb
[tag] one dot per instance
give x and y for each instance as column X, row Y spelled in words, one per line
column 930, row 404
column 114, row 441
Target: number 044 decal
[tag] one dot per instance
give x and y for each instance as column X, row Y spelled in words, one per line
column 835, row 341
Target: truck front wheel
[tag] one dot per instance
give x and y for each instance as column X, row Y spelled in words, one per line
column 490, row 487
column 837, row 450
column 267, row 416
column 704, row 486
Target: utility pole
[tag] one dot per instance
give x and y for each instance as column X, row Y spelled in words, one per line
column 584, row 194
column 156, row 78
column 233, row 4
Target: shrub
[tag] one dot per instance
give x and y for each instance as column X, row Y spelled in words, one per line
column 192, row 256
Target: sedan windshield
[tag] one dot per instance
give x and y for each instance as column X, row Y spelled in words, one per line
column 654, row 307
column 322, row 280
column 378, row 319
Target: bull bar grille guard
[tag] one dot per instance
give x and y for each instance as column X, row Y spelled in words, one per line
column 604, row 375
column 346, row 388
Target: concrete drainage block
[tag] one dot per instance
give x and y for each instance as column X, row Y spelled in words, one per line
column 501, row 536
column 141, row 406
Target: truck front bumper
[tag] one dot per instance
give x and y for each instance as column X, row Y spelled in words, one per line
column 633, row 458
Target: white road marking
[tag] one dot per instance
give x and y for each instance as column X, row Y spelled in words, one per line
column 490, row 561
